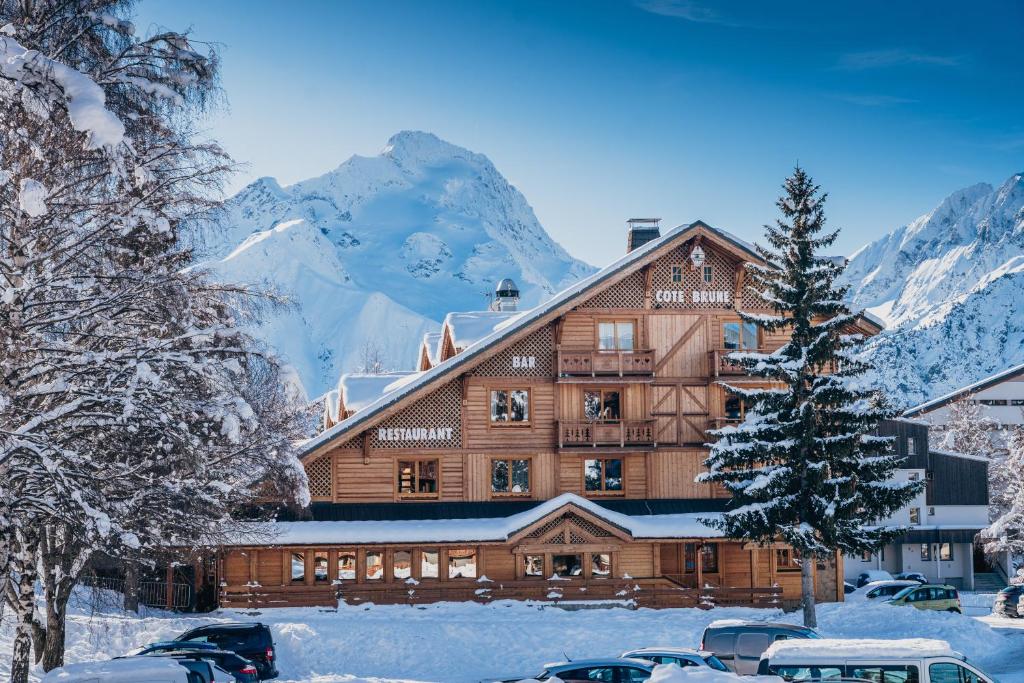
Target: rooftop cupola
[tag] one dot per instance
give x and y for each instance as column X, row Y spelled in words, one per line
column 506, row 296
column 642, row 231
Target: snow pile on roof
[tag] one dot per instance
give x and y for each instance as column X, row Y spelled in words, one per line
column 673, row 673
column 680, row 525
column 859, row 647
column 968, row 389
column 360, row 390
column 432, row 342
column 470, row 327
column 331, row 406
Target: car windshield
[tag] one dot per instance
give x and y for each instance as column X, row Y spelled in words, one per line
column 715, row 663
column 905, row 592
column 812, row 634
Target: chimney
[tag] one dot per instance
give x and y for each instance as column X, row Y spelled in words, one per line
column 642, row 231
column 506, row 296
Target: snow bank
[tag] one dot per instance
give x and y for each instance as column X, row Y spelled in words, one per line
column 879, row 620
column 470, row 327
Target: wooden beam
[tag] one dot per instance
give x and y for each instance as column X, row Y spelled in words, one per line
column 170, row 586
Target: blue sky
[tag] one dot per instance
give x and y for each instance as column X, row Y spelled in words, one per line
column 598, row 111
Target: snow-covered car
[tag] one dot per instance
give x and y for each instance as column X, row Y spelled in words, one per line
column 912, row 576
column 123, row 670
column 870, row 575
column 1010, row 601
column 879, row 589
column 613, row 669
column 680, row 656
column 914, row 659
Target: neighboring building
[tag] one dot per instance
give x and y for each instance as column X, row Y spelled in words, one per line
column 942, row 521
column 541, row 445
column 1001, row 398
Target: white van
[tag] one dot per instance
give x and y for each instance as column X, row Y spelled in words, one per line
column 128, row 670
column 914, row 660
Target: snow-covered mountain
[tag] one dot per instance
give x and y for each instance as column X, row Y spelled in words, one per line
column 377, row 251
column 950, row 286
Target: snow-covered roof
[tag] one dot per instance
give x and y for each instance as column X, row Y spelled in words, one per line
column 359, row 390
column 520, row 321
column 927, row 406
column 680, row 525
column 826, row 648
column 331, row 406
column 469, row 327
column 957, row 454
column 432, row 344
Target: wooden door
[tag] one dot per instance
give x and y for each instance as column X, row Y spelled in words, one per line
column 680, row 343
column 664, row 409
column 693, row 414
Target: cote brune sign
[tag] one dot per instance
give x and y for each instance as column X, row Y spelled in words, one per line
column 696, row 296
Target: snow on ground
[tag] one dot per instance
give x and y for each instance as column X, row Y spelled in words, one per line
column 458, row 642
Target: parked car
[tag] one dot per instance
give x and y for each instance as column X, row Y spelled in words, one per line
column 912, row 576
column 240, row 668
column 614, row 670
column 870, row 575
column 739, row 644
column 1008, row 602
column 124, row 670
column 168, row 645
column 939, row 597
column 252, row 640
column 680, row 656
column 880, row 589
column 919, row 660
column 848, row 587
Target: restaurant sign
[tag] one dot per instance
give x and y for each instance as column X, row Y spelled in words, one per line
column 697, row 296
column 414, row 433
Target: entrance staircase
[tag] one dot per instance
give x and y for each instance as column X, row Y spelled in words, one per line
column 988, row 582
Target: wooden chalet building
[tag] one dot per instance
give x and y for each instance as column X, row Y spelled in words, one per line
column 547, row 453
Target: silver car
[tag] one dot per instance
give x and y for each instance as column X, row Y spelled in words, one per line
column 608, row 670
column 680, row 656
column 739, row 644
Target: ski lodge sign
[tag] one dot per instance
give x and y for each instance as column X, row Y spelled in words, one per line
column 697, row 296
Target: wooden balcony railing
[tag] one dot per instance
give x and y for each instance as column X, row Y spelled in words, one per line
column 594, row 363
column 606, row 432
column 721, row 365
column 719, row 422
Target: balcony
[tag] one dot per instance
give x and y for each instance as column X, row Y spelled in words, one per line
column 592, row 363
column 720, row 422
column 606, row 433
column 721, row 365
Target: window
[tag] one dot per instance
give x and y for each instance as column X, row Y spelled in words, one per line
column 615, row 335
column 709, row 274
column 931, row 511
column 429, row 564
column 993, row 401
column 600, row 564
column 374, row 565
column 677, row 273
column 926, row 552
column 946, row 552
column 321, row 569
column 533, row 565
column 401, row 564
column 1017, row 401
column 602, row 475
column 567, row 565
column 739, row 336
column 510, row 406
column 915, row 515
column 806, row 673
column 602, row 404
column 914, row 476
column 946, row 672
column 708, row 557
column 866, row 556
column 347, row 565
column 510, row 477
column 594, row 673
column 298, row 567
column 886, row 673
column 735, row 408
column 417, row 478
column 786, row 560
column 462, row 564
column 911, row 446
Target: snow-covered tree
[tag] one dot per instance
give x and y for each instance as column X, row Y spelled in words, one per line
column 135, row 414
column 967, row 430
column 804, row 468
column 1006, row 505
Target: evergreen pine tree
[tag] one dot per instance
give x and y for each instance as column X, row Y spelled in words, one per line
column 804, row 468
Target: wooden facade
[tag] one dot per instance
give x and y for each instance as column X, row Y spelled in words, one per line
column 605, row 394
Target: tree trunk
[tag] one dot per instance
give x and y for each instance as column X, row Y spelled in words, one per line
column 131, row 587
column 56, row 626
column 23, row 608
column 807, row 591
